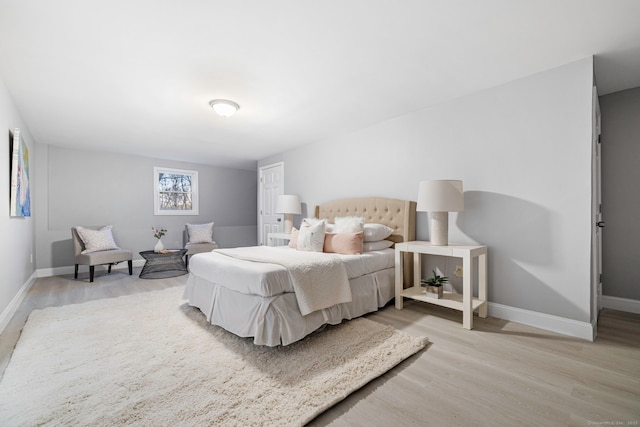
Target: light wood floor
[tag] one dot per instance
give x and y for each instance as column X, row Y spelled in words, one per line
column 499, row 374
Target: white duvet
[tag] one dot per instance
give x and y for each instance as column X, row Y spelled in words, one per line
column 267, row 279
column 319, row 280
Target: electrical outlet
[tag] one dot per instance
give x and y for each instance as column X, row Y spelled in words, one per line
column 458, row 271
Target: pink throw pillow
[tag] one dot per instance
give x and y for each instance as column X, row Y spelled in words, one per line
column 293, row 243
column 344, row 243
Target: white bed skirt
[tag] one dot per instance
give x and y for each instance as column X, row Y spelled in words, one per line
column 277, row 320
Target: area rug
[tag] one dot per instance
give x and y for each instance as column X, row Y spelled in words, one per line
column 151, row 360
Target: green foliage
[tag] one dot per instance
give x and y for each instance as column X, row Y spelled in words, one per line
column 158, row 233
column 435, row 280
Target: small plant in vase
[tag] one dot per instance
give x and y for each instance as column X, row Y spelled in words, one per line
column 158, row 233
column 434, row 285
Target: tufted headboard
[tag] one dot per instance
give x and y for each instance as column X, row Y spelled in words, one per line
column 395, row 213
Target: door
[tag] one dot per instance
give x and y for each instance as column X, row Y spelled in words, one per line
column 270, row 186
column 596, row 215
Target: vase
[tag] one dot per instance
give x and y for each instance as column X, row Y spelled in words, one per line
column 159, row 247
column 434, row 291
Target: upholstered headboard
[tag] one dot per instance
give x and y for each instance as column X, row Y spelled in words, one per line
column 395, row 213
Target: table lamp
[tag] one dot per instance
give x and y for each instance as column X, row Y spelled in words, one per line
column 288, row 205
column 440, row 197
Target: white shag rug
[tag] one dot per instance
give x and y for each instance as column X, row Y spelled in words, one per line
column 151, row 360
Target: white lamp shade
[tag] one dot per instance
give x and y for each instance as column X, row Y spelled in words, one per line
column 288, row 204
column 440, row 196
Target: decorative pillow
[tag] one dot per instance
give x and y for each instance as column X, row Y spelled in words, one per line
column 293, row 243
column 376, row 232
column 349, row 224
column 376, row 246
column 311, row 237
column 97, row 240
column 312, row 221
column 200, row 233
column 343, row 243
column 329, row 228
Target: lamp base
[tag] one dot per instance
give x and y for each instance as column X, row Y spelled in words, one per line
column 439, row 228
column 288, row 223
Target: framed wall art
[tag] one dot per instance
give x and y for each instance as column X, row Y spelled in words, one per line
column 19, row 166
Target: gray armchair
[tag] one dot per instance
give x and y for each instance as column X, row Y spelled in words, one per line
column 110, row 253
column 202, row 243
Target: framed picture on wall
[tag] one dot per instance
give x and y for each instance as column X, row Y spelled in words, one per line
column 20, row 196
column 175, row 191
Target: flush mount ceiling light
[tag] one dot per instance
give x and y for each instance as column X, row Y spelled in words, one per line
column 224, row 107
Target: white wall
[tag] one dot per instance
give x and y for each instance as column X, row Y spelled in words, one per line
column 523, row 151
column 17, row 240
column 84, row 187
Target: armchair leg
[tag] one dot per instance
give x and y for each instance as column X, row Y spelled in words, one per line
column 186, row 261
column 75, row 275
column 92, row 269
column 130, row 262
column 109, row 268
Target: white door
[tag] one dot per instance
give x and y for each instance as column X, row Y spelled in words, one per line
column 596, row 208
column 270, row 186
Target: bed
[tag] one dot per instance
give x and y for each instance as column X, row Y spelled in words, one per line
column 254, row 298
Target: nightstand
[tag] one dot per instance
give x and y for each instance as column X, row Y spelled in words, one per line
column 465, row 302
column 277, row 236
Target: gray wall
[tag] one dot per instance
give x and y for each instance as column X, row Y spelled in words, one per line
column 80, row 187
column 523, row 151
column 17, row 240
column 620, row 195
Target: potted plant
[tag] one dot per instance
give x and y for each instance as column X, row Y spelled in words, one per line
column 434, row 284
column 158, row 233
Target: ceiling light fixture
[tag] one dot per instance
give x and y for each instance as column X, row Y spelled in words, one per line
column 224, row 107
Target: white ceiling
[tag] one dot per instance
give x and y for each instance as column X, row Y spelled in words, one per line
column 136, row 76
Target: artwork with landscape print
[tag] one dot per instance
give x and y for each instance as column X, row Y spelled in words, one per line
column 176, row 191
column 20, row 186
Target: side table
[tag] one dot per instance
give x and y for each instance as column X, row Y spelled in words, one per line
column 160, row 265
column 465, row 302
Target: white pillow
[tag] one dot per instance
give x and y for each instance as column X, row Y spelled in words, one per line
column 349, row 224
column 376, row 246
column 376, row 232
column 200, row 233
column 97, row 240
column 312, row 221
column 311, row 237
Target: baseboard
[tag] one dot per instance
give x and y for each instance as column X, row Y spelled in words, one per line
column 7, row 313
column 561, row 325
column 622, row 304
column 61, row 271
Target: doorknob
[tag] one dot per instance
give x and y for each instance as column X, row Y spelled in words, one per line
column 600, row 224
column 279, row 219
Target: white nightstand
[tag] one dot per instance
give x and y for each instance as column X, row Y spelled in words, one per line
column 281, row 236
column 465, row 302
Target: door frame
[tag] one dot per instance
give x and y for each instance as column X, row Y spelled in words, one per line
column 596, row 213
column 261, row 171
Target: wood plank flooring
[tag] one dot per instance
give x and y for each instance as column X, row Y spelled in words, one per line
column 499, row 374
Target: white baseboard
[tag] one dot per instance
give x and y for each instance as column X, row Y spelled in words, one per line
column 622, row 304
column 7, row 313
column 61, row 271
column 561, row 325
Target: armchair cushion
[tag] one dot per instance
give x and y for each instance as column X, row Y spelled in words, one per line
column 112, row 256
column 96, row 240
